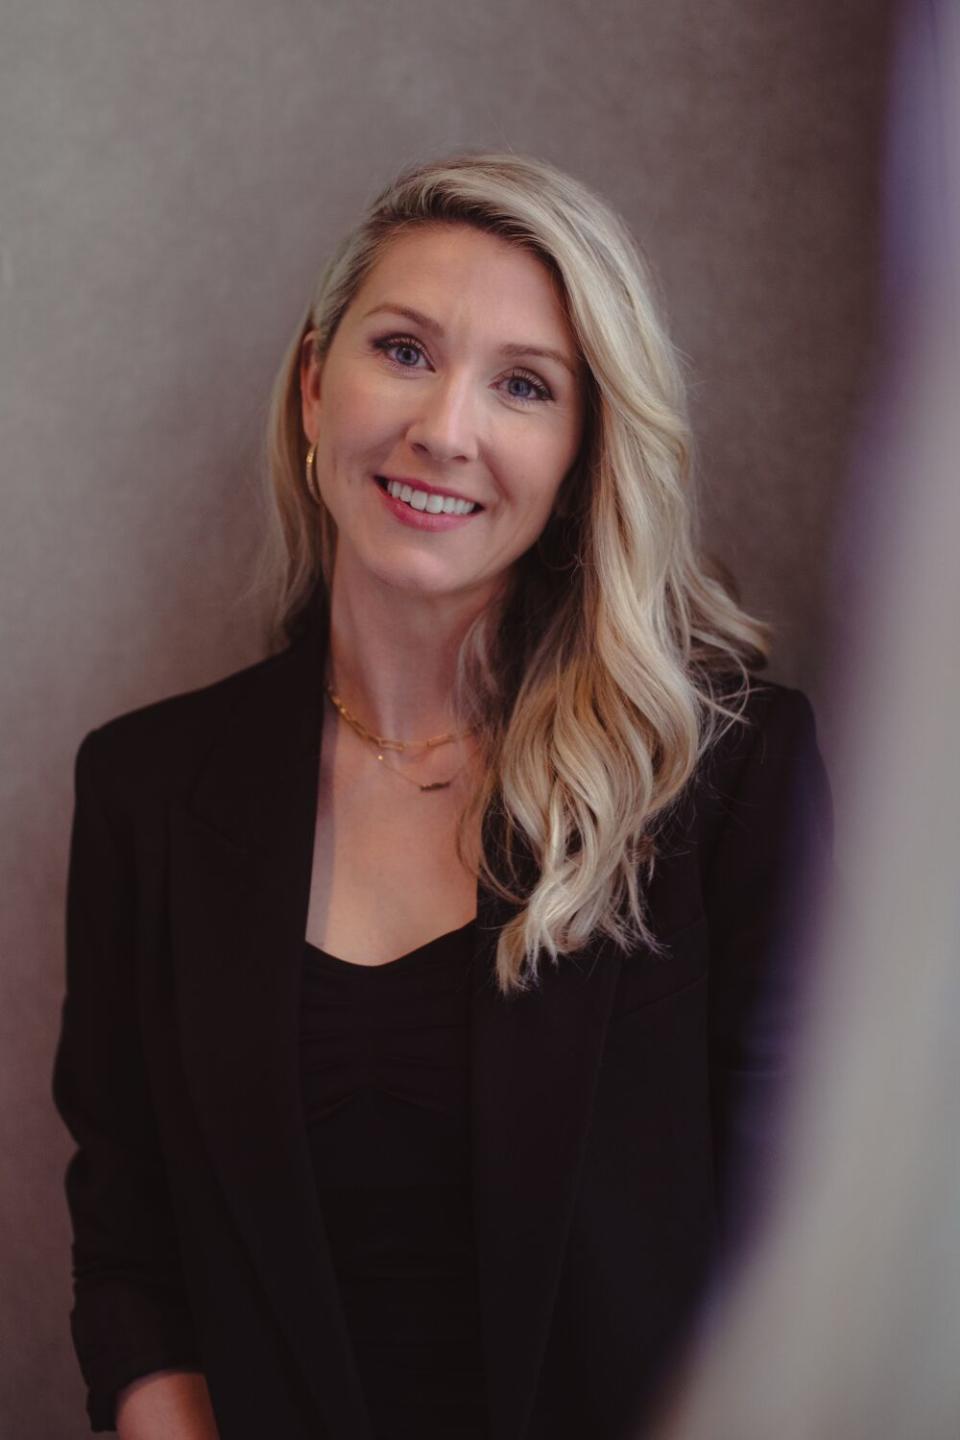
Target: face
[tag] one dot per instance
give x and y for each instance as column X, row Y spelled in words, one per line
column 443, row 428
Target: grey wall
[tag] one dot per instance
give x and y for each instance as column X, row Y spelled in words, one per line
column 171, row 177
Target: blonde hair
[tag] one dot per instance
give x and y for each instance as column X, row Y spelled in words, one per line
column 605, row 673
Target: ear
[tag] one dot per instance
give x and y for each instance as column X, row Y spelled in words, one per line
column 311, row 369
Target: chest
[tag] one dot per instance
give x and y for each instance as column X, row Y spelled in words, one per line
column 385, row 876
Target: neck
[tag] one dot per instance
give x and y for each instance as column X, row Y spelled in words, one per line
column 392, row 656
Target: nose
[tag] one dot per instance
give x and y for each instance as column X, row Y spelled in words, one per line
column 445, row 422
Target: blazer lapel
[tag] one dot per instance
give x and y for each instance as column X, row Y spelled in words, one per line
column 241, row 860
column 241, row 857
column 535, row 1063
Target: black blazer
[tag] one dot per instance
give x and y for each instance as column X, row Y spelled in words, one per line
column 619, row 1114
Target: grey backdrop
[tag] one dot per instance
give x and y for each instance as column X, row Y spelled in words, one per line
column 171, row 176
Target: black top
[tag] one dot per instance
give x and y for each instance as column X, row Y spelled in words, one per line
column 384, row 1065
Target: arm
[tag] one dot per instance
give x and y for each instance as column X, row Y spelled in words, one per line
column 767, row 880
column 130, row 1316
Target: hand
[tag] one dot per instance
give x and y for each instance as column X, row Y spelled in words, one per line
column 166, row 1405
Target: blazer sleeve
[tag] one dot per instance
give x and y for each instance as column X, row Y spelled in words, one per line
column 130, row 1314
column 768, row 882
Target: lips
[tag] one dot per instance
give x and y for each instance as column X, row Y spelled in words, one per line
column 420, row 517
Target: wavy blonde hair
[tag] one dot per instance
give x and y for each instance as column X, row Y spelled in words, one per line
column 617, row 653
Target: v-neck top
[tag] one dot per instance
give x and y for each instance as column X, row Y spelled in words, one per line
column 385, row 1078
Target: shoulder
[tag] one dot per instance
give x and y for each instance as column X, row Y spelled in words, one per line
column 774, row 720
column 764, row 760
column 155, row 749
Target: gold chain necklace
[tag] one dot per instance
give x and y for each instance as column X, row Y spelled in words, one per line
column 381, row 743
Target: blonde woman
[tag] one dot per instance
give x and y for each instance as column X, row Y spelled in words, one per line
column 430, row 982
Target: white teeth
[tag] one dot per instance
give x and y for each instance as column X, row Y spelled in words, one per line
column 433, row 504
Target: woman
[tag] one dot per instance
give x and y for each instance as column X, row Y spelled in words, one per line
column 401, row 1101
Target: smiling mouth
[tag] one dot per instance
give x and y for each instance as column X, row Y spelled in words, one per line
column 428, row 501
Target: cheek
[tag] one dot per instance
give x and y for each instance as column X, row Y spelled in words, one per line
column 538, row 483
column 354, row 419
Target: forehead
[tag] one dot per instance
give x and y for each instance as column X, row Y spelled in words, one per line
column 464, row 276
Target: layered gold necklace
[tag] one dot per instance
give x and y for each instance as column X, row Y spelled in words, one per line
column 381, row 743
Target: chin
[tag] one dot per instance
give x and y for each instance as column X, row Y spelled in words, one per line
column 430, row 581
column 433, row 585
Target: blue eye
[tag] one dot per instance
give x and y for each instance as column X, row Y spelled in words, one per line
column 540, row 391
column 399, row 342
column 407, row 343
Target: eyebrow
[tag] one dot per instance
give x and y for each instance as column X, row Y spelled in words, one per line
column 511, row 350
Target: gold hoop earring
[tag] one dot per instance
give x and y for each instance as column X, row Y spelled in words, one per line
column 312, row 486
